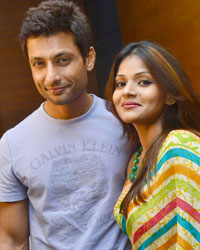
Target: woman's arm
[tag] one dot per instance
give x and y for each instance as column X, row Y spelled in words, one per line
column 171, row 214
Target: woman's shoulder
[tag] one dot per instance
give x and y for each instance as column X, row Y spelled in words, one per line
column 181, row 139
column 183, row 135
column 181, row 147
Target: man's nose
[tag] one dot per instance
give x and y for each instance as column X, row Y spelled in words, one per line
column 52, row 74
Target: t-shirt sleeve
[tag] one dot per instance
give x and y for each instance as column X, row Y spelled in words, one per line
column 11, row 189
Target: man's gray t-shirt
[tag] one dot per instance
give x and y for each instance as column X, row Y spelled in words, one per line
column 72, row 172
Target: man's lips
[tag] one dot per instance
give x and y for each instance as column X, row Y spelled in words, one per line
column 130, row 104
column 57, row 89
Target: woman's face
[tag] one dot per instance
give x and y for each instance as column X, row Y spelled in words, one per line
column 138, row 99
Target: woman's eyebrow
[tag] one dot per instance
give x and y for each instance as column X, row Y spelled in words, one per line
column 142, row 72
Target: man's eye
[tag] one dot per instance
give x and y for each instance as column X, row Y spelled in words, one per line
column 120, row 84
column 63, row 60
column 145, row 82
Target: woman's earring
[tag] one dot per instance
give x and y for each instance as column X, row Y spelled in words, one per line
column 170, row 100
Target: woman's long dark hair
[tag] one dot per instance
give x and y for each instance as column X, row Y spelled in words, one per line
column 183, row 114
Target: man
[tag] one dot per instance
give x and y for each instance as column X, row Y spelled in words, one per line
column 63, row 167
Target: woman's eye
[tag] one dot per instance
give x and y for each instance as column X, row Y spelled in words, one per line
column 145, row 82
column 38, row 63
column 120, row 84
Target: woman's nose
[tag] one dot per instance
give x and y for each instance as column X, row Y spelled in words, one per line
column 130, row 89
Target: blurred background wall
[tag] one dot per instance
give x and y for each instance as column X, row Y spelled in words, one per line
column 18, row 95
column 174, row 24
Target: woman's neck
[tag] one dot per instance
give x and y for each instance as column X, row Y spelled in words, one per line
column 147, row 135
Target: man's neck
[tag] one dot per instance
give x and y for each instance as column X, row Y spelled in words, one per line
column 69, row 111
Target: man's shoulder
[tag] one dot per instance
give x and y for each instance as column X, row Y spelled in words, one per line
column 103, row 108
column 26, row 123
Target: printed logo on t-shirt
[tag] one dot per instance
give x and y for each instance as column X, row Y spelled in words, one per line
column 76, row 183
column 66, row 149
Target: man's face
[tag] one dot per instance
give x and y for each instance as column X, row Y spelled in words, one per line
column 58, row 69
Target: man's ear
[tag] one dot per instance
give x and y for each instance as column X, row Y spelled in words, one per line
column 90, row 59
column 170, row 100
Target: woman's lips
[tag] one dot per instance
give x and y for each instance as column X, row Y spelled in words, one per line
column 130, row 104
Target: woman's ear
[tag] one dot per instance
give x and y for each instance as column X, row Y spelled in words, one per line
column 170, row 100
column 90, row 59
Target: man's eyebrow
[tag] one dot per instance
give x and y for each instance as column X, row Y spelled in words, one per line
column 63, row 53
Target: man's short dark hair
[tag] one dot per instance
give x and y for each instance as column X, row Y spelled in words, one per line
column 54, row 16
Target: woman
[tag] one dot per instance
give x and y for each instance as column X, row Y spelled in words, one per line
column 159, row 207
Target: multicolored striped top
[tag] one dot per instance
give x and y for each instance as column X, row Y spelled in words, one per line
column 170, row 219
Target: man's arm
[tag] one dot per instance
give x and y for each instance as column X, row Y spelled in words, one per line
column 14, row 225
